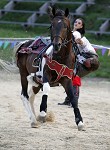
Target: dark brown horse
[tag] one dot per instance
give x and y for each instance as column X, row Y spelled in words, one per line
column 58, row 68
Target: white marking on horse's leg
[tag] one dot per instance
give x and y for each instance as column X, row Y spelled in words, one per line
column 27, row 106
column 43, row 114
column 30, row 80
column 80, row 126
column 31, row 100
column 46, row 88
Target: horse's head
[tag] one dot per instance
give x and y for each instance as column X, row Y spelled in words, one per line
column 60, row 29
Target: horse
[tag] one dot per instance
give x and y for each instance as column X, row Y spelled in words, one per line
column 58, row 68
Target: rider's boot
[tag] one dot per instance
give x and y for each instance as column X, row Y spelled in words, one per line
column 66, row 102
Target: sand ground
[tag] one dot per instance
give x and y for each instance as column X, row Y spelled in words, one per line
column 62, row 134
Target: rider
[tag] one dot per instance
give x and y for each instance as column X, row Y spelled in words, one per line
column 76, row 82
column 87, row 58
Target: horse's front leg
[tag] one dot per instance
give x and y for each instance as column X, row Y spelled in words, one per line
column 25, row 100
column 43, row 106
column 69, row 91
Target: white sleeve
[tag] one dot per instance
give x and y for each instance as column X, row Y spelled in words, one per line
column 85, row 41
column 77, row 35
column 87, row 47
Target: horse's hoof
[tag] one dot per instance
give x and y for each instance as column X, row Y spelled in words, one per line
column 80, row 126
column 34, row 125
column 41, row 119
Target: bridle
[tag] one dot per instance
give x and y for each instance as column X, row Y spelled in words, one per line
column 65, row 41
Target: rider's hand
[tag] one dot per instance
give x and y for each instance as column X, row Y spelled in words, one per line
column 79, row 41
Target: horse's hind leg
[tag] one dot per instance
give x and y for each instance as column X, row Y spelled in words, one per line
column 25, row 100
column 32, row 92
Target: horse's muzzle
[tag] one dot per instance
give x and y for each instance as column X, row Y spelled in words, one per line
column 56, row 47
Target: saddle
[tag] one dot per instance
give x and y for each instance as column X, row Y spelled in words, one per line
column 35, row 47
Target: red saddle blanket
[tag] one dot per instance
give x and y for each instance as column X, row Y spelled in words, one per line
column 61, row 69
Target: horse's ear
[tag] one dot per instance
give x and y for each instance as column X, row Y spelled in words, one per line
column 49, row 11
column 66, row 12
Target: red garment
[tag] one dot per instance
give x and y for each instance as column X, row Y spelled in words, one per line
column 76, row 81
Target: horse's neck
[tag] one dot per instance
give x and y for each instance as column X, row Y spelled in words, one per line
column 63, row 55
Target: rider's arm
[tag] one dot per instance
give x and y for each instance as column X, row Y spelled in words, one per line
column 76, row 35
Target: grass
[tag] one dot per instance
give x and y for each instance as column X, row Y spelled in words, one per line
column 64, row 6
column 15, row 17
column 33, row 6
column 73, row 0
column 42, row 18
column 6, row 54
column 3, row 3
column 92, row 21
column 99, row 40
column 16, row 31
column 104, row 69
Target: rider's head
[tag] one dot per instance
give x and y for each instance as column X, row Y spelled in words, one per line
column 79, row 25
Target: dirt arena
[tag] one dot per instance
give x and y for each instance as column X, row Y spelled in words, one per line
column 62, row 134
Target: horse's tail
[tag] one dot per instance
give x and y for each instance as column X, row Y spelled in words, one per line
column 12, row 67
column 9, row 67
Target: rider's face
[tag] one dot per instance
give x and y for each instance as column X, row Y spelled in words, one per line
column 78, row 24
